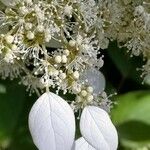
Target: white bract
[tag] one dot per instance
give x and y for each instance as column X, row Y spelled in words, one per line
column 95, row 79
column 52, row 126
column 52, row 123
column 97, row 129
column 82, row 144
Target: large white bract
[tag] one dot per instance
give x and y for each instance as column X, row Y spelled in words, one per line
column 52, row 123
column 97, row 129
column 52, row 126
column 82, row 144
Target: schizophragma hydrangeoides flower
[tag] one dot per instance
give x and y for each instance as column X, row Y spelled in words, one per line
column 57, row 44
column 71, row 25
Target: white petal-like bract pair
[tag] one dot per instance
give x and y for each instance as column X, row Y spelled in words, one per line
column 52, row 126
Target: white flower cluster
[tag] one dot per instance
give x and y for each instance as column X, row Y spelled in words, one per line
column 127, row 22
column 52, row 44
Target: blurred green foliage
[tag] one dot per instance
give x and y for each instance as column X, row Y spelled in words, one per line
column 131, row 114
column 132, row 118
column 15, row 105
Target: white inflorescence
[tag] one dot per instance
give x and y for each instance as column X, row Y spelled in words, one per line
column 79, row 29
column 128, row 22
column 33, row 24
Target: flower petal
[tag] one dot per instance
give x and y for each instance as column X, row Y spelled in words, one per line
column 82, row 144
column 52, row 123
column 97, row 129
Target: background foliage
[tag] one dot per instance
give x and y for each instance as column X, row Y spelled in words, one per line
column 131, row 114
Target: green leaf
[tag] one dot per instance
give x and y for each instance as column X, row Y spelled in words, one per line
column 132, row 106
column 137, row 129
column 12, row 97
column 132, row 119
column 21, row 138
column 134, row 134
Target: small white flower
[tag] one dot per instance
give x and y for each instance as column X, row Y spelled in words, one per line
column 76, row 75
column 72, row 43
column 28, row 26
column 23, row 10
column 30, row 35
column 14, row 47
column 64, row 59
column 58, row 59
column 84, row 93
column 90, row 98
column 40, row 28
column 9, row 39
column 62, row 76
column 68, row 10
column 9, row 57
column 90, row 89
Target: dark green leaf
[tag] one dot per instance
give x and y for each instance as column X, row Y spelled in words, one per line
column 12, row 97
column 125, row 64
